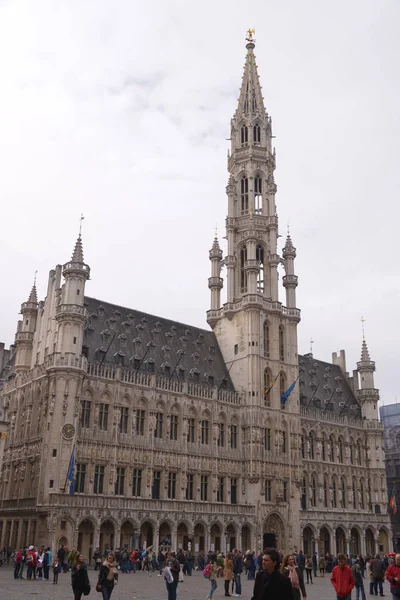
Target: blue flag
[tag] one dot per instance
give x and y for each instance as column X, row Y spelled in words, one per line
column 71, row 473
column 286, row 394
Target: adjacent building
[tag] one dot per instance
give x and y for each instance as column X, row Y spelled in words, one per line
column 390, row 417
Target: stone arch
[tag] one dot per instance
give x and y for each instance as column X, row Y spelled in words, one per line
column 245, row 537
column 216, row 530
column 308, row 540
column 324, row 540
column 274, row 535
column 165, row 534
column 206, row 413
column 231, row 536
column 108, row 528
column 199, row 535
column 86, row 529
column 340, row 537
column 370, row 546
column 128, row 530
column 383, row 540
column 146, row 533
column 182, row 534
column 355, row 540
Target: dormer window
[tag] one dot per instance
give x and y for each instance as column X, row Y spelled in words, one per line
column 244, row 135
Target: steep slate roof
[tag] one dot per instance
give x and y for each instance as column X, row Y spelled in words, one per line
column 321, row 382
column 118, row 335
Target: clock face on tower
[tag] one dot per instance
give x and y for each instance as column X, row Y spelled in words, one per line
column 68, row 431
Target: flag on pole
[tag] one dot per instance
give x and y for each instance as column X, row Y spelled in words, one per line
column 267, row 391
column 392, row 501
column 71, row 473
column 290, row 389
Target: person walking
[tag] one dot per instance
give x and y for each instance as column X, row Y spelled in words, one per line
column 56, row 569
column 172, row 570
column 228, row 572
column 237, row 571
column 301, row 561
column 378, row 574
column 18, row 560
column 270, row 584
column 393, row 577
column 291, row 570
column 358, row 579
column 47, row 560
column 97, row 559
column 30, row 561
column 213, row 578
column 314, row 563
column 309, row 567
column 108, row 576
column 342, row 579
column 79, row 578
column 322, row 566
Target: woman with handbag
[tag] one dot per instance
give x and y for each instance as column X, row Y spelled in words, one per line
column 80, row 579
column 228, row 572
column 108, row 576
column 292, row 571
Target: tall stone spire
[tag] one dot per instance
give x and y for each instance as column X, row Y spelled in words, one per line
column 364, row 351
column 367, row 394
column 77, row 255
column 250, row 101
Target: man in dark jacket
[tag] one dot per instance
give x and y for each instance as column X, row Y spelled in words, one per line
column 270, row 584
column 237, row 571
column 358, row 579
column 301, row 561
column 378, row 574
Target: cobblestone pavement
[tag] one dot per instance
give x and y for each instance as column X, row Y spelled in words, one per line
column 140, row 586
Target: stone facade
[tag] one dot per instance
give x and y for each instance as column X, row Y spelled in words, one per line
column 390, row 417
column 186, row 435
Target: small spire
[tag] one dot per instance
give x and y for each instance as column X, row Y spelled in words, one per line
column 364, row 351
column 250, row 97
column 33, row 295
column 77, row 255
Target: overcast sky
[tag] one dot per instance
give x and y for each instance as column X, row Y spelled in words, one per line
column 120, row 109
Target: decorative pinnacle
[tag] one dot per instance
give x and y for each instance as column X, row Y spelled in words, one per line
column 249, row 38
column 33, row 295
column 364, row 351
column 77, row 255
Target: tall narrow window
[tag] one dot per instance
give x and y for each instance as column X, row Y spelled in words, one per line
column 85, row 414
column 285, row 491
column 156, row 488
column 311, row 442
column 268, row 490
column 173, row 432
column 221, row 435
column 343, row 493
column 284, row 442
column 158, row 432
column 355, row 503
column 243, row 278
column 281, row 343
column 191, row 431
column 313, row 491
column 120, row 481
column 234, row 486
column 140, row 422
column 190, row 487
column 267, row 439
column 123, row 421
column 323, row 448
column 244, row 135
column 358, row 453
column 303, row 447
column 260, row 275
column 137, row 482
column 98, row 479
column 303, row 499
column 244, row 195
column 362, row 504
column 204, row 488
column 204, row 431
column 171, row 486
column 257, row 195
column 325, row 494
column 340, row 450
column 267, row 387
column 332, row 449
column 80, row 478
column 334, row 494
column 103, row 416
column 234, row 436
column 266, row 339
column 220, row 489
column 257, row 134
column 282, row 383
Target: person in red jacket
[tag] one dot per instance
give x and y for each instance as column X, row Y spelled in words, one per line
column 342, row 579
column 393, row 577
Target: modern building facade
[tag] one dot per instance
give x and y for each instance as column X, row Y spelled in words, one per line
column 390, row 417
column 183, row 434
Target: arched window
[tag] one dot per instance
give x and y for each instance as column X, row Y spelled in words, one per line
column 257, row 134
column 244, row 195
column 355, row 503
column 267, row 385
column 303, row 499
column 343, row 493
column 313, row 491
column 303, row 447
column 281, row 343
column 362, row 496
column 260, row 276
column 282, row 383
column 340, row 449
column 323, row 448
column 331, row 449
column 334, row 494
column 325, row 493
column 312, row 445
column 257, row 195
column 243, row 279
column 351, row 452
column 358, row 453
column 266, row 339
column 244, row 135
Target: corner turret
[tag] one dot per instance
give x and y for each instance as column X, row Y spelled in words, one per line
column 26, row 330
column 215, row 282
column 290, row 280
column 367, row 395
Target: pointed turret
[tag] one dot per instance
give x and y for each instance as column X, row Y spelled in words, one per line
column 215, row 282
column 290, row 280
column 33, row 295
column 368, row 396
column 364, row 352
column 77, row 255
column 26, row 330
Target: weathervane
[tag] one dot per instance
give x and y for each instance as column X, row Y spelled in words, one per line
column 80, row 225
column 362, row 326
column 34, row 279
column 250, row 33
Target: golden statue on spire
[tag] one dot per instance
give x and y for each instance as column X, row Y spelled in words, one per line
column 250, row 33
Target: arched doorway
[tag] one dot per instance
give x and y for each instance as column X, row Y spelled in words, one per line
column 230, row 537
column 199, row 538
column 308, row 541
column 146, row 535
column 107, row 536
column 324, row 542
column 85, row 538
column 383, row 541
column 216, row 538
column 340, row 541
column 246, row 538
column 62, row 541
column 164, row 536
column 370, row 542
column 183, row 536
column 274, row 533
column 127, row 535
column 355, row 542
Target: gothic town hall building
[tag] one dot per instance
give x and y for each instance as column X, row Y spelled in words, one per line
column 179, row 434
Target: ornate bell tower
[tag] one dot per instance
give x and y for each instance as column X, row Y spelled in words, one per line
column 257, row 335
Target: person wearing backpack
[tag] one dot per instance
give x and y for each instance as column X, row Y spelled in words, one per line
column 30, row 561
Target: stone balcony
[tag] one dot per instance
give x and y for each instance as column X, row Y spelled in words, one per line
column 215, row 282
column 59, row 359
column 71, row 310
column 24, row 336
column 290, row 280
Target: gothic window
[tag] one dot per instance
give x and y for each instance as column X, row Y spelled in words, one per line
column 303, row 447
column 285, row 491
column 123, row 421
column 172, row 486
column 267, row 439
column 282, row 383
column 137, row 482
column 268, row 490
column 358, row 453
column 204, row 431
column 190, row 487
column 260, row 276
column 257, row 195
column 243, row 279
column 340, row 448
column 103, row 416
column 120, row 481
column 140, row 416
column 158, row 432
column 204, row 488
column 311, row 440
column 281, row 343
column 313, row 491
column 244, row 135
column 220, row 489
column 351, row 452
column 362, row 498
column 267, row 385
column 354, row 493
column 303, row 498
column 257, row 134
column 234, row 486
column 343, row 493
column 323, row 448
column 325, row 493
column 80, row 478
column 284, row 442
column 191, row 431
column 266, row 339
column 221, row 435
column 156, row 487
column 244, row 195
column 98, row 482
column 334, row 494
column 332, row 449
column 234, row 436
column 173, row 432
column 85, row 414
